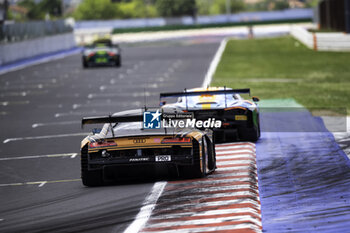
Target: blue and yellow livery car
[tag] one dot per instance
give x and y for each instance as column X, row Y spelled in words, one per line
column 240, row 117
column 124, row 149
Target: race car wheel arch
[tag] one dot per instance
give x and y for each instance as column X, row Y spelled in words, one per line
column 195, row 170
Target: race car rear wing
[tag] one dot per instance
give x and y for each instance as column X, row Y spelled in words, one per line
column 111, row 119
column 197, row 93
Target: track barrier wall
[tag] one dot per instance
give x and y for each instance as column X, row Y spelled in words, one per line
column 16, row 51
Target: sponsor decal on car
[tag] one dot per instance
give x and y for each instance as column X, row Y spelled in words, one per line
column 138, row 159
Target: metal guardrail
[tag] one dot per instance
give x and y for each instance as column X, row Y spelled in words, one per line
column 23, row 31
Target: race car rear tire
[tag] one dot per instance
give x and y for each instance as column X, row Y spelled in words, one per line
column 92, row 178
column 89, row 178
column 118, row 63
column 251, row 135
column 85, row 64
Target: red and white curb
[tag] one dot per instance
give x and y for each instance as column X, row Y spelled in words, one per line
column 225, row 201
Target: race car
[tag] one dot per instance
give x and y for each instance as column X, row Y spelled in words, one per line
column 240, row 117
column 124, row 149
column 101, row 52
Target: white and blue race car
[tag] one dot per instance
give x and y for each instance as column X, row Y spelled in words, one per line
column 239, row 117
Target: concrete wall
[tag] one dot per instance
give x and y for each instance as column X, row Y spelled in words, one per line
column 12, row 52
column 322, row 41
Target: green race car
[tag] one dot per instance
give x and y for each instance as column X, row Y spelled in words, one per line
column 101, row 52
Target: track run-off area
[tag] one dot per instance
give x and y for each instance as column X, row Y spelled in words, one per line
column 304, row 177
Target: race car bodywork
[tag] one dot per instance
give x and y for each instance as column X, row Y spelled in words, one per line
column 240, row 117
column 101, row 52
column 123, row 144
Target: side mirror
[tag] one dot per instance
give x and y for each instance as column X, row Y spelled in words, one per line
column 255, row 99
column 96, row 131
column 162, row 103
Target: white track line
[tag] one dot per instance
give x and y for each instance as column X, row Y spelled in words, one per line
column 36, row 125
column 214, row 63
column 39, row 183
column 42, row 184
column 148, row 206
column 71, row 155
column 44, row 137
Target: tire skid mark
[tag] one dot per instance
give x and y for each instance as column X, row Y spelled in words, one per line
column 225, row 201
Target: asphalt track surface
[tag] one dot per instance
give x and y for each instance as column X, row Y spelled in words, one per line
column 40, row 111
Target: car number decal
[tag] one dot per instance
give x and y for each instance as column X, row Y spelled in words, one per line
column 163, row 158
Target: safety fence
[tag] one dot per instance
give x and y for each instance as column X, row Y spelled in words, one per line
column 15, row 32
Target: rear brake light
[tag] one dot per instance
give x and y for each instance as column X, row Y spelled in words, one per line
column 91, row 54
column 102, row 144
column 176, row 140
column 111, row 54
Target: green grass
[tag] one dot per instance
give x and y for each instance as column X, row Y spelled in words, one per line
column 197, row 26
column 284, row 68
